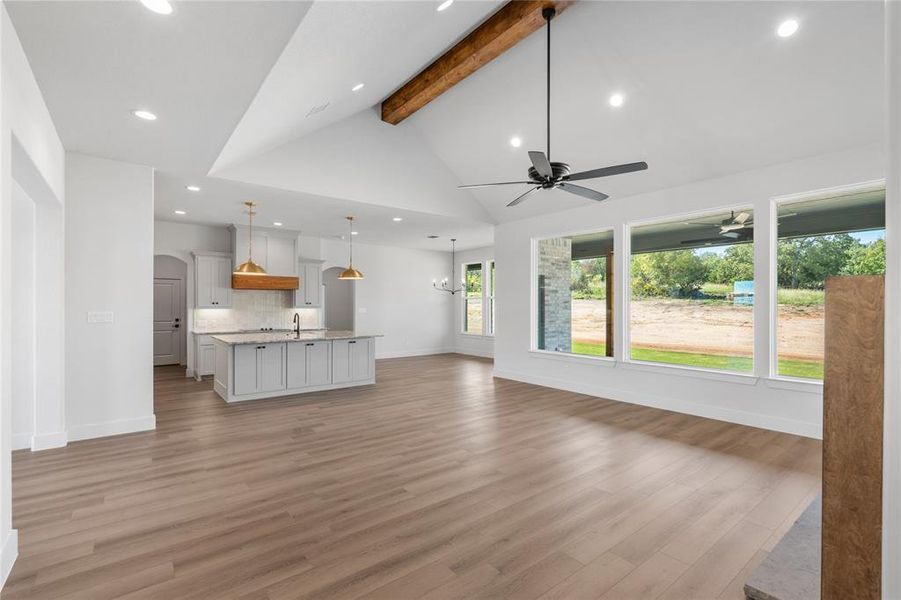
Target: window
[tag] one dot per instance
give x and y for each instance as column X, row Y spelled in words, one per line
column 490, row 297
column 472, row 298
column 818, row 238
column 692, row 292
column 575, row 299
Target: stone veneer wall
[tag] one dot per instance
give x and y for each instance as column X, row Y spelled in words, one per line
column 554, row 263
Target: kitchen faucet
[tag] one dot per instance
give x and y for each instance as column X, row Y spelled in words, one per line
column 297, row 323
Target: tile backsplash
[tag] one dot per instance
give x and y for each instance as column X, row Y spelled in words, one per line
column 255, row 309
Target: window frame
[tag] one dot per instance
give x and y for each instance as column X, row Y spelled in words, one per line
column 489, row 292
column 464, row 293
column 776, row 202
column 533, row 298
column 626, row 292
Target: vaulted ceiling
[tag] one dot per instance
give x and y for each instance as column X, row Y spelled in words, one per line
column 254, row 99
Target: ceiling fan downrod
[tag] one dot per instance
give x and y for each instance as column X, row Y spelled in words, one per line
column 549, row 13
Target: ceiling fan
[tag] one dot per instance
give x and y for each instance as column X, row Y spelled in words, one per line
column 731, row 226
column 546, row 175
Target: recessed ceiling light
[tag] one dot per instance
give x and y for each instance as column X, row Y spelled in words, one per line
column 787, row 28
column 277, row 223
column 515, row 142
column 144, row 114
column 354, row 232
column 180, row 212
column 397, row 219
column 192, row 188
column 616, row 100
column 357, row 87
column 445, row 4
column 161, row 7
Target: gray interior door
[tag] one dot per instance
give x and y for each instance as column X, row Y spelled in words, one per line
column 166, row 321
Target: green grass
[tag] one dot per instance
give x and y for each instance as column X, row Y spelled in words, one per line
column 787, row 368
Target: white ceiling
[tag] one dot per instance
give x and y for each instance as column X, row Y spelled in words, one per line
column 710, row 90
column 197, row 69
column 339, row 44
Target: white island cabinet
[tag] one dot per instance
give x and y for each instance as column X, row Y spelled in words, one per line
column 252, row 366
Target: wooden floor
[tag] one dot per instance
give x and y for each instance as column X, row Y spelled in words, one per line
column 438, row 482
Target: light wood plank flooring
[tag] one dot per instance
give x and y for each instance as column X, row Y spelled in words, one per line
column 439, row 482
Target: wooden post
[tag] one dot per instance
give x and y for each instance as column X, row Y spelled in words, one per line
column 852, row 438
column 609, row 334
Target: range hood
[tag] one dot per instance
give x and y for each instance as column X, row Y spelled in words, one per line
column 242, row 281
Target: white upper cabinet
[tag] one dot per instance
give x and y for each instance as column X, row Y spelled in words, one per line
column 309, row 294
column 274, row 250
column 212, row 279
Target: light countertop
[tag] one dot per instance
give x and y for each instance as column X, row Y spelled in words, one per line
column 274, row 337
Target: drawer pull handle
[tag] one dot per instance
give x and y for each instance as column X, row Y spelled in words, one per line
column 311, row 344
column 352, row 342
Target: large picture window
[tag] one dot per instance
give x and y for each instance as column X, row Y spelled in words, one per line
column 692, row 292
column 472, row 298
column 842, row 235
column 575, row 294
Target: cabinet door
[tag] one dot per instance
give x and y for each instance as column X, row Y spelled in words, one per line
column 222, row 291
column 246, row 375
column 312, row 274
column 205, row 273
column 361, row 365
column 206, row 360
column 319, row 363
column 341, row 361
column 271, row 375
column 297, row 365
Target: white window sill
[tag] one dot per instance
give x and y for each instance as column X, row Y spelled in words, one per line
column 795, row 384
column 696, row 372
column 604, row 361
column 476, row 335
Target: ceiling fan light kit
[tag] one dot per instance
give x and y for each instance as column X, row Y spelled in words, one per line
column 547, row 175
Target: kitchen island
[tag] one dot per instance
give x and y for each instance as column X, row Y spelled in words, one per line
column 252, row 366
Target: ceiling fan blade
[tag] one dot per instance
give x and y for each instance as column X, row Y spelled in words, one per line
column 478, row 185
column 742, row 217
column 541, row 164
column 523, row 196
column 578, row 190
column 607, row 171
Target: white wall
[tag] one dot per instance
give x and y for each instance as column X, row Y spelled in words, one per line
column 23, row 325
column 467, row 343
column 396, row 297
column 757, row 401
column 30, row 151
column 891, row 487
column 109, row 267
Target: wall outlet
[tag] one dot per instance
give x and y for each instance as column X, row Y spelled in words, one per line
column 100, row 316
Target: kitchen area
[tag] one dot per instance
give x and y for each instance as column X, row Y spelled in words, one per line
column 257, row 320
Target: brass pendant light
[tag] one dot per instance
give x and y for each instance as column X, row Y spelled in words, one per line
column 350, row 272
column 250, row 267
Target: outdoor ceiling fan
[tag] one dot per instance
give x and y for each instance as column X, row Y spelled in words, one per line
column 546, row 175
column 731, row 226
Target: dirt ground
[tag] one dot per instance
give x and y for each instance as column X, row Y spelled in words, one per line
column 710, row 328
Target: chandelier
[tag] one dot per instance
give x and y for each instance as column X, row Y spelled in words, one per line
column 442, row 286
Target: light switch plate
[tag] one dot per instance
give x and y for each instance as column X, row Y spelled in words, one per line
column 100, row 316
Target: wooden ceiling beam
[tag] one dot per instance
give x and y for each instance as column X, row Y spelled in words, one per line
column 515, row 21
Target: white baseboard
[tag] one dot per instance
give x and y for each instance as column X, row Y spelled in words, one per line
column 407, row 353
column 21, row 441
column 471, row 352
column 96, row 430
column 46, row 441
column 802, row 428
column 8, row 554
